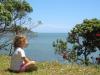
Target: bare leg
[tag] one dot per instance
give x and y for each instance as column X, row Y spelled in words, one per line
column 29, row 66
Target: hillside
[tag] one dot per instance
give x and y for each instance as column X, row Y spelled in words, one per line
column 53, row 68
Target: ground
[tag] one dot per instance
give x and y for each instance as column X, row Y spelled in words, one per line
column 51, row 68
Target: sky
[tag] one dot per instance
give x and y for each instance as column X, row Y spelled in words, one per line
column 60, row 16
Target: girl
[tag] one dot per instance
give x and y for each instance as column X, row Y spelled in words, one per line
column 19, row 61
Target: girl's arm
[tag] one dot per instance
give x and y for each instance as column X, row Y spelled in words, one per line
column 26, row 60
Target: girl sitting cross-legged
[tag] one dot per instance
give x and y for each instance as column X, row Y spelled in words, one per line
column 19, row 61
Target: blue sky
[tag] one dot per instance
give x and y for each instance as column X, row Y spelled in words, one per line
column 62, row 15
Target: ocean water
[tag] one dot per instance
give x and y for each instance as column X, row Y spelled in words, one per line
column 40, row 47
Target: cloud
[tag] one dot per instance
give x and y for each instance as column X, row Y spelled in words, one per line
column 52, row 28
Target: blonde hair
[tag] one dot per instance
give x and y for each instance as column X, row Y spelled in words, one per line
column 19, row 41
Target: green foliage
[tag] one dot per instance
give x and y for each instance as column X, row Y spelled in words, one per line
column 13, row 15
column 12, row 12
column 20, row 29
column 5, row 15
column 87, row 31
column 59, row 46
column 72, row 56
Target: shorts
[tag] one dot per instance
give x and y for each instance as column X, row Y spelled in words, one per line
column 22, row 67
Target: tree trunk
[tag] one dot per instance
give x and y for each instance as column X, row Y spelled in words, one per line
column 85, row 57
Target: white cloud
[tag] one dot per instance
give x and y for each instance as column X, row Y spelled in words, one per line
column 52, row 28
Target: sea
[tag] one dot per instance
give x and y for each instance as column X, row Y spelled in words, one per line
column 40, row 47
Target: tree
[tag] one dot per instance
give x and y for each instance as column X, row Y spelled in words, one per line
column 13, row 15
column 60, row 47
column 84, row 40
column 87, row 32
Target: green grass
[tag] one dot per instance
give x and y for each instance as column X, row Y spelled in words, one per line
column 53, row 68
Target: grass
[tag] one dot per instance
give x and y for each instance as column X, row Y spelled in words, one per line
column 53, row 68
